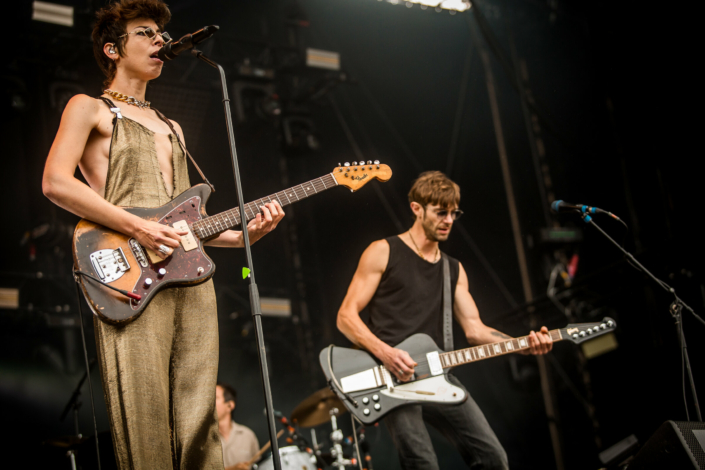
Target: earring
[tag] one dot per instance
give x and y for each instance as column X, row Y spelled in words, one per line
column 111, row 50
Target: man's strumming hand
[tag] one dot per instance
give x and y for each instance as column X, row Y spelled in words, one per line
column 398, row 362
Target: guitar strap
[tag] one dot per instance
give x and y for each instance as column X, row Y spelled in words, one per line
column 447, row 306
column 116, row 110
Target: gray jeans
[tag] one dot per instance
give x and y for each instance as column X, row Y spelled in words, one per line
column 464, row 426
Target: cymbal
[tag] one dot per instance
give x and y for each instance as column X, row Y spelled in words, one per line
column 66, row 442
column 315, row 409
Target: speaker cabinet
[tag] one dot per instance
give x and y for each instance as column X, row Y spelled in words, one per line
column 675, row 445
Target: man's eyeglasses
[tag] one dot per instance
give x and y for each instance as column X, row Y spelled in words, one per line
column 455, row 215
column 151, row 34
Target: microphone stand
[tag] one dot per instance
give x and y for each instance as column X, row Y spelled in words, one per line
column 254, row 293
column 675, row 309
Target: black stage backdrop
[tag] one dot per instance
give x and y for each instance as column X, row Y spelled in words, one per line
column 412, row 92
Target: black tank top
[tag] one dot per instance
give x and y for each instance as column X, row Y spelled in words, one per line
column 409, row 298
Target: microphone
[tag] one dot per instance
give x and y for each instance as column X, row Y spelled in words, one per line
column 171, row 50
column 562, row 206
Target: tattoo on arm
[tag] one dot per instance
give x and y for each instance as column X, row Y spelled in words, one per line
column 501, row 335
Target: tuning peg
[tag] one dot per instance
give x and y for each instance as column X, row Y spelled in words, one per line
column 610, row 323
column 354, row 163
column 339, row 164
column 603, row 326
column 369, row 162
column 347, row 164
column 376, row 162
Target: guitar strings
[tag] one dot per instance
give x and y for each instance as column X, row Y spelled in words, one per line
column 299, row 192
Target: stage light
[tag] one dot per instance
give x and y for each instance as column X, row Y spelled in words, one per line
column 322, row 59
column 452, row 6
column 52, row 13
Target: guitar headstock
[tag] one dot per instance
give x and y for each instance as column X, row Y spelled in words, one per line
column 358, row 174
column 581, row 332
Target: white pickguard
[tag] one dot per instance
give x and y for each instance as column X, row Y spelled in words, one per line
column 434, row 389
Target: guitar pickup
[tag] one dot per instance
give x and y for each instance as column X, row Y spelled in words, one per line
column 434, row 363
column 109, row 265
column 365, row 380
column 187, row 241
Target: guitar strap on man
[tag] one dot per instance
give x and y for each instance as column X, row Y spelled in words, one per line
column 116, row 110
column 447, row 306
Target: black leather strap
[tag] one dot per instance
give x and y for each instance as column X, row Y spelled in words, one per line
column 447, row 306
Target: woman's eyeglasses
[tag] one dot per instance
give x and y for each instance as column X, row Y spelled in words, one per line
column 151, row 34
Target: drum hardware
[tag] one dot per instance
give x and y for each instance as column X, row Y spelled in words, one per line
column 339, row 462
column 71, row 443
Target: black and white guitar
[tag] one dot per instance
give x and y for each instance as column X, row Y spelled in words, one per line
column 369, row 391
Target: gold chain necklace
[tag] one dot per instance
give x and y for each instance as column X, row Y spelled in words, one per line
column 419, row 251
column 128, row 99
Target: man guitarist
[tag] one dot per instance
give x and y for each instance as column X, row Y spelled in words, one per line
column 159, row 371
column 400, row 278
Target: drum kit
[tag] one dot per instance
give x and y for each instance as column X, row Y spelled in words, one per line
column 322, row 407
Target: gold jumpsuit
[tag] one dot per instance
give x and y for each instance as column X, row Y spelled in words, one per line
column 159, row 372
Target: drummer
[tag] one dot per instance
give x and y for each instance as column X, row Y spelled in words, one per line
column 238, row 441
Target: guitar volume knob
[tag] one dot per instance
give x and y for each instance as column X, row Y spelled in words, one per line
column 378, row 407
column 366, row 412
column 148, row 282
column 365, row 401
column 161, row 273
column 375, row 397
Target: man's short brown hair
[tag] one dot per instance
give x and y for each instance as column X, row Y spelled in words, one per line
column 435, row 188
column 111, row 23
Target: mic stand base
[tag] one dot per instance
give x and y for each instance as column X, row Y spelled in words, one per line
column 675, row 310
column 254, row 293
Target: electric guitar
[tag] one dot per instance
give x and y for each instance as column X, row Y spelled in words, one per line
column 369, row 391
column 103, row 257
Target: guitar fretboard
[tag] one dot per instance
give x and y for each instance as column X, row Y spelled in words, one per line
column 219, row 223
column 477, row 353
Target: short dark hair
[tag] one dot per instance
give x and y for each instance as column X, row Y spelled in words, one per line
column 111, row 23
column 229, row 393
column 433, row 187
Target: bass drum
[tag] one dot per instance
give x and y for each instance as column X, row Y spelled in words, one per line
column 292, row 458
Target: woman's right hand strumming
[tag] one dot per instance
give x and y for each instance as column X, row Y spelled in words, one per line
column 155, row 236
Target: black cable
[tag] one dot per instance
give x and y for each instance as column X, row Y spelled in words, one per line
column 123, row 292
column 88, row 367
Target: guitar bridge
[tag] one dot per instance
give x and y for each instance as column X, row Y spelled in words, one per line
column 109, row 265
column 138, row 252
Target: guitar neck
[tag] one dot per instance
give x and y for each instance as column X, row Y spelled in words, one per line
column 219, row 223
column 478, row 353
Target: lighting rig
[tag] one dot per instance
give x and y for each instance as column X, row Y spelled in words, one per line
column 451, row 6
